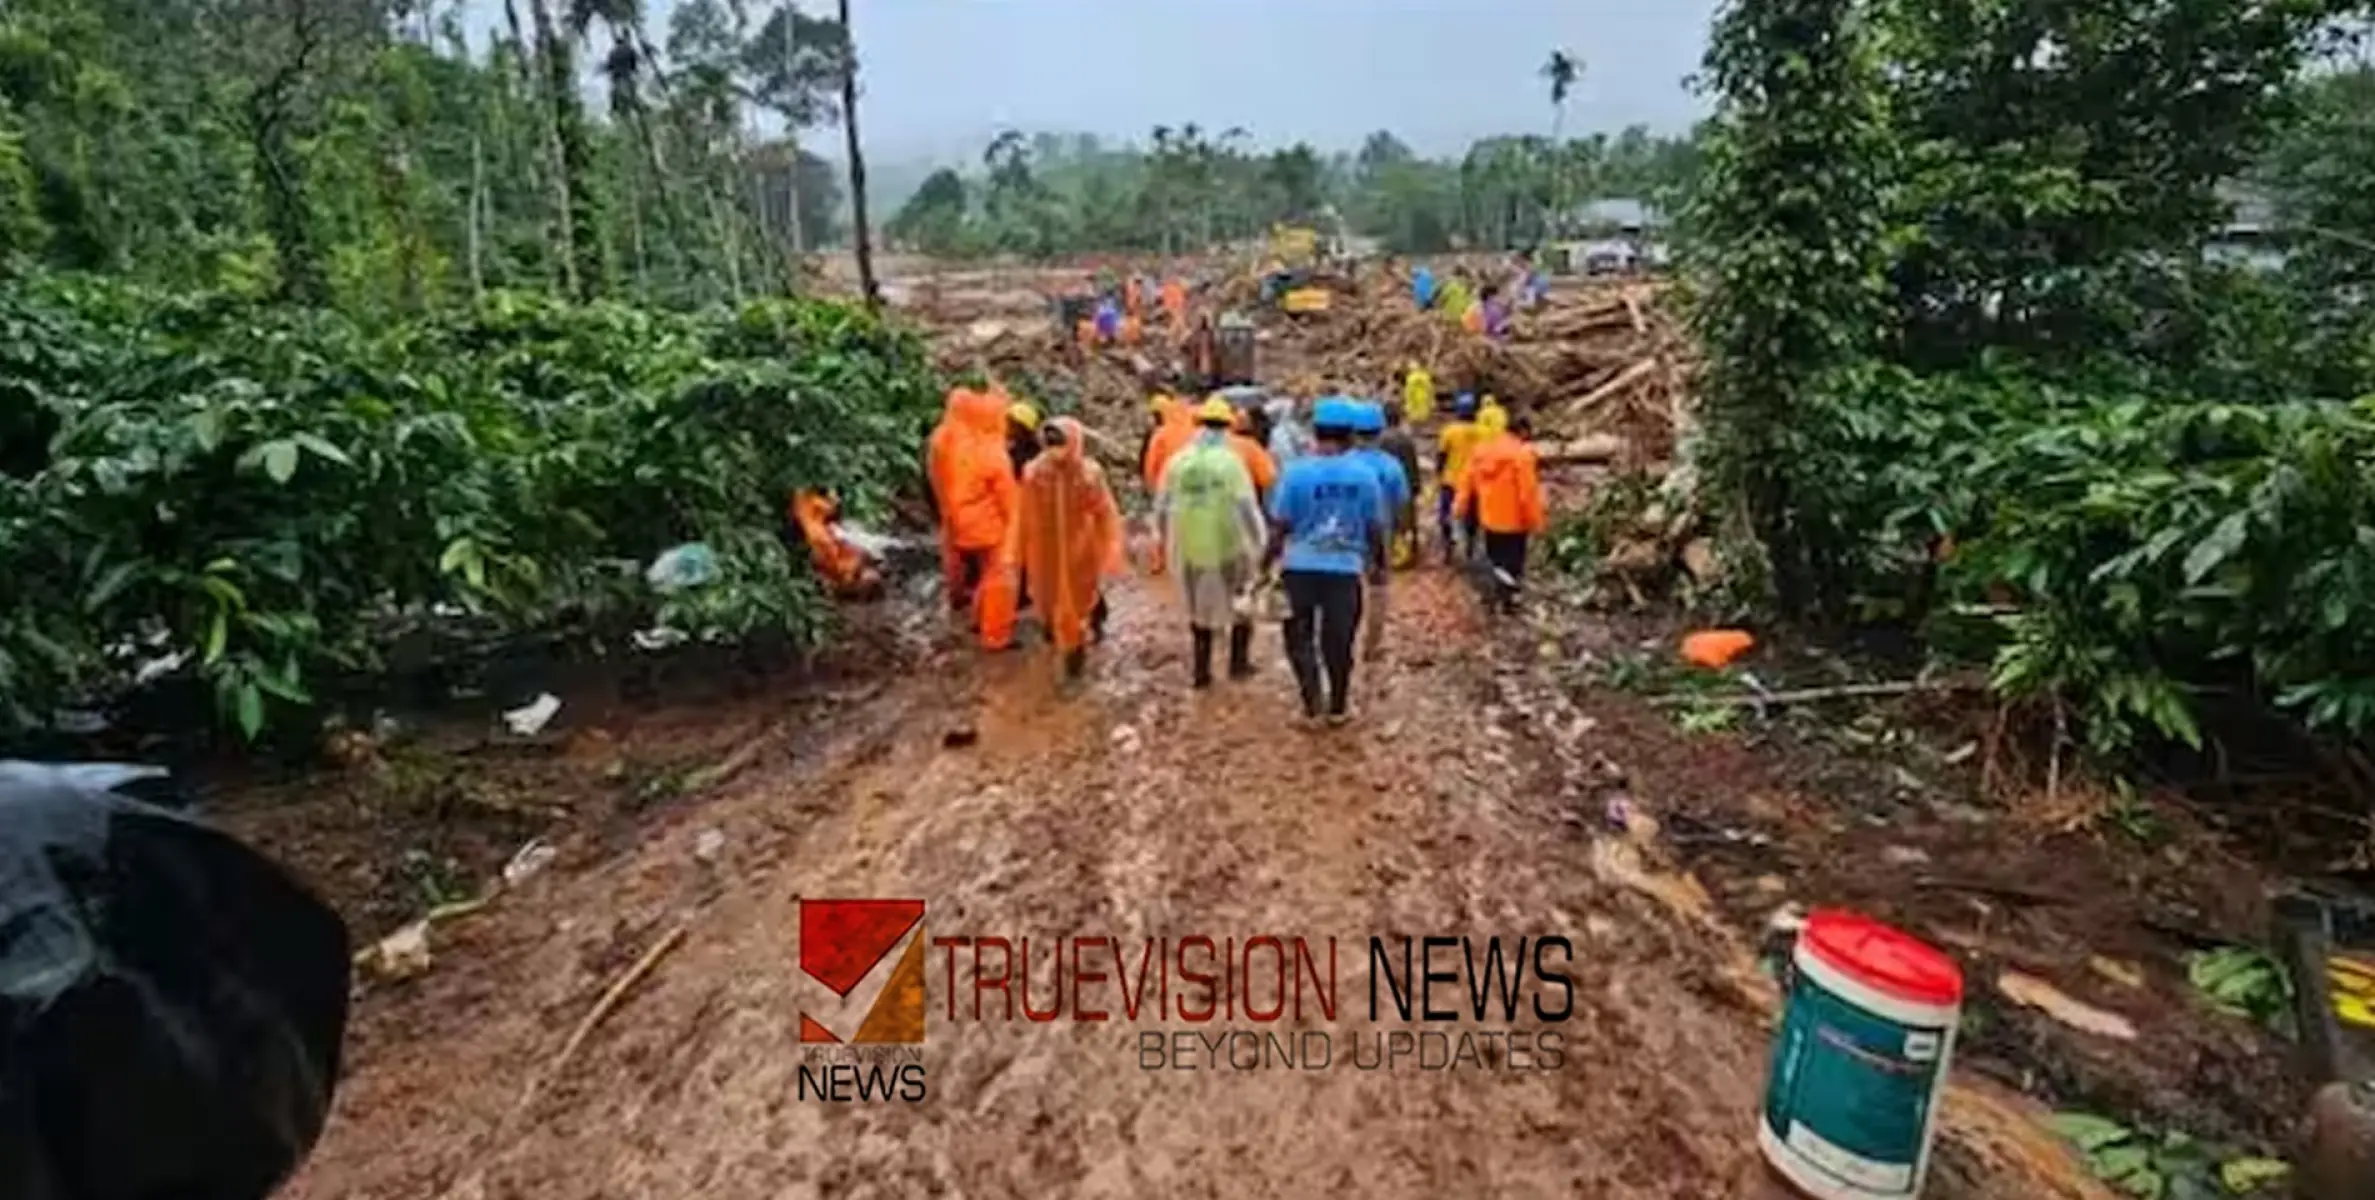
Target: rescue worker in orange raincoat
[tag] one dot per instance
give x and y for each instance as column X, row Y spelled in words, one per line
column 1175, row 304
column 1065, row 540
column 973, row 491
column 1258, row 463
column 1502, row 489
column 1175, row 427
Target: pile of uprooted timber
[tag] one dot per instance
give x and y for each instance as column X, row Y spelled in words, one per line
column 1602, row 368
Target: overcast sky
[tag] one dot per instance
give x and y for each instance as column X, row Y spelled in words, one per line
column 942, row 76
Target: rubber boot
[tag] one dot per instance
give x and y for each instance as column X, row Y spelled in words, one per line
column 1203, row 658
column 1241, row 651
column 1076, row 662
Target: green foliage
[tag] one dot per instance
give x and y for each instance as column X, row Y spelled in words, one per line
column 2171, row 1165
column 1048, row 196
column 1966, row 364
column 1788, row 238
column 274, row 492
column 2246, row 982
column 1579, row 539
column 389, row 166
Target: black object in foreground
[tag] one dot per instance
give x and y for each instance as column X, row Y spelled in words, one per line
column 171, row 1001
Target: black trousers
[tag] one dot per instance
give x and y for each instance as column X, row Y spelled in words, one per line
column 1322, row 626
column 1505, row 553
column 973, row 568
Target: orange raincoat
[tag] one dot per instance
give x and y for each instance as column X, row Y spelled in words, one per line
column 1502, row 485
column 1177, row 430
column 973, row 483
column 1258, row 463
column 847, row 570
column 1175, row 303
column 1066, row 537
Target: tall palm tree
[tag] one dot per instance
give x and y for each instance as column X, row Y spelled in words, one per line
column 1564, row 71
column 857, row 162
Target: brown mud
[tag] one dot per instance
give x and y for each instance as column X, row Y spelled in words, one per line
column 1138, row 809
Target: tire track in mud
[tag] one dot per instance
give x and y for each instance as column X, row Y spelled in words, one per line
column 1139, row 809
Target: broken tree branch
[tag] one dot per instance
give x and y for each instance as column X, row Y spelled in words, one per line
column 1843, row 691
column 611, row 999
column 1624, row 379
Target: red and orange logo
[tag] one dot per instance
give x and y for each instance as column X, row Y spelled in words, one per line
column 845, row 944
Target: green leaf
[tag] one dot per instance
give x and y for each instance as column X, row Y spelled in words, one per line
column 280, row 460
column 2246, row 1175
column 251, row 710
column 218, row 632
column 2223, row 541
column 112, row 584
column 207, row 428
column 324, row 449
column 2088, row 1131
column 2121, row 1162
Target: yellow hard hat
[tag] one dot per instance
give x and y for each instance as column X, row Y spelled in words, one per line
column 1023, row 414
column 1157, row 403
column 1217, row 409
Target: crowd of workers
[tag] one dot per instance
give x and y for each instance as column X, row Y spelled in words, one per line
column 1310, row 503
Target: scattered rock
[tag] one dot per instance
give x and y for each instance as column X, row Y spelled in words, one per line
column 1904, row 856
column 709, row 845
column 1698, row 558
column 1125, row 739
column 403, row 954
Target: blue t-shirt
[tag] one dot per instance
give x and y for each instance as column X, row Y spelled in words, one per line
column 1390, row 476
column 1331, row 505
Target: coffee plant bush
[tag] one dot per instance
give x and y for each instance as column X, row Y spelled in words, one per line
column 275, row 494
column 2111, row 543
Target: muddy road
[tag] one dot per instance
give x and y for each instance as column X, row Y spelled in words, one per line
column 1455, row 804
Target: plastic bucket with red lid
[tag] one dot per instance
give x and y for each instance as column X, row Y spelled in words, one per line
column 1861, row 1060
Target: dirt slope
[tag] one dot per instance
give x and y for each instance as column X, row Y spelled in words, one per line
column 1138, row 809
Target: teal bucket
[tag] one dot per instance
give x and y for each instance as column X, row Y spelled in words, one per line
column 1866, row 1038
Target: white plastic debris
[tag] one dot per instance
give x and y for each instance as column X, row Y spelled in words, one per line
column 531, row 858
column 400, row 955
column 659, row 638
column 530, row 719
column 78, row 722
column 687, row 566
column 159, row 667
column 878, row 545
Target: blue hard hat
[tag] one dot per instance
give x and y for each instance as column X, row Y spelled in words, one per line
column 1372, row 417
column 1464, row 404
column 1336, row 412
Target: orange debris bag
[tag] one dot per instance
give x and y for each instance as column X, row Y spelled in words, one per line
column 1716, row 649
column 848, row 571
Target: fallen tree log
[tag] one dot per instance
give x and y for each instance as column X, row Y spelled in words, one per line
column 1624, row 379
column 1591, row 447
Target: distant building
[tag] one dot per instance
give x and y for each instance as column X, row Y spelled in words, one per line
column 1618, row 216
column 1616, row 236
